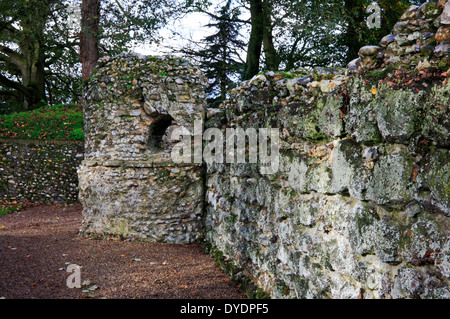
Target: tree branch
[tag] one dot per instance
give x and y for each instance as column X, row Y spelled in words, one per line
column 212, row 15
column 12, row 57
column 10, row 93
column 14, row 85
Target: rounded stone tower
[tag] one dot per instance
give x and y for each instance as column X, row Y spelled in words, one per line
column 129, row 185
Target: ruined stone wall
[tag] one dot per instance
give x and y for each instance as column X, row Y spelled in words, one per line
column 129, row 185
column 360, row 205
column 39, row 171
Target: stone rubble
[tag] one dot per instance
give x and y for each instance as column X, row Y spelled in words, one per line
column 422, row 33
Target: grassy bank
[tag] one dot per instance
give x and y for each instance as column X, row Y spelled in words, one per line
column 59, row 122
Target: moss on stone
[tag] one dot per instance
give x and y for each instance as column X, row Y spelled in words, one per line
column 236, row 273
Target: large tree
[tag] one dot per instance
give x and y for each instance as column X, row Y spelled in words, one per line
column 89, row 36
column 22, row 49
column 40, row 51
column 218, row 54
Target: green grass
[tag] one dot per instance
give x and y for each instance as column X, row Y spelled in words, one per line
column 4, row 210
column 59, row 122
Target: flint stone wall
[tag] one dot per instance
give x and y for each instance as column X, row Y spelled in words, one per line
column 129, row 186
column 351, row 212
column 39, row 171
column 360, row 206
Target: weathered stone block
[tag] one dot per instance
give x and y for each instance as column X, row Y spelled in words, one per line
column 330, row 121
column 149, row 204
column 408, row 283
column 348, row 173
column 442, row 49
column 296, row 174
column 434, row 176
column 445, row 16
column 390, row 181
column 386, row 40
column 429, row 10
column 397, row 114
column 410, row 13
column 360, row 122
column 442, row 34
column 421, row 241
column 363, row 230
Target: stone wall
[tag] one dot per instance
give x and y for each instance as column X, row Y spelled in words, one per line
column 360, row 205
column 129, row 185
column 39, row 171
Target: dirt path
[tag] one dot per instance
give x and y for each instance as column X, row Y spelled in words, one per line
column 38, row 244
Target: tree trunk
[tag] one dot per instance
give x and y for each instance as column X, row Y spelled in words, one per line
column 90, row 13
column 32, row 61
column 255, row 42
column 270, row 53
column 355, row 21
column 33, row 77
column 223, row 74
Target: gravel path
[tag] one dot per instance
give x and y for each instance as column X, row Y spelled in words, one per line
column 38, row 244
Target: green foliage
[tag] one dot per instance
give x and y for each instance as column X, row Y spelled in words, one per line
column 126, row 23
column 219, row 58
column 287, row 75
column 5, row 209
column 59, row 122
column 9, row 105
column 77, row 135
